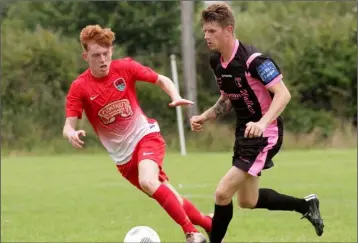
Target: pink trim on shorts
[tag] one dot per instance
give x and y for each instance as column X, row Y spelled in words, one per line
column 259, row 163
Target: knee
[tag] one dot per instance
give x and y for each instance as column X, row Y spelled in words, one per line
column 149, row 186
column 222, row 197
column 247, row 203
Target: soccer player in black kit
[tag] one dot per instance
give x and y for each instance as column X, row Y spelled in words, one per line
column 251, row 84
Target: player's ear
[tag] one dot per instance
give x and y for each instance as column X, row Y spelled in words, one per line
column 229, row 30
column 85, row 56
column 111, row 50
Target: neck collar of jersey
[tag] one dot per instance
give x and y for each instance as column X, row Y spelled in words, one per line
column 225, row 64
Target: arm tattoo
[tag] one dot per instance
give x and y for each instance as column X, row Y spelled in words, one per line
column 220, row 108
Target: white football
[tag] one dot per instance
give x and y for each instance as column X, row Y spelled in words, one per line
column 142, row 234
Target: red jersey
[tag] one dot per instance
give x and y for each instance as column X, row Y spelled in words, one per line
column 112, row 108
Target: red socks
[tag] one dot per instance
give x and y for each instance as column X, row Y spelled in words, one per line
column 196, row 217
column 167, row 199
column 185, row 215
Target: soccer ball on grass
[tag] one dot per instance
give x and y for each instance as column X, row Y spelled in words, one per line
column 141, row 234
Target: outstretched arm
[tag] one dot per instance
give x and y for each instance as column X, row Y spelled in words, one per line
column 146, row 74
column 167, row 85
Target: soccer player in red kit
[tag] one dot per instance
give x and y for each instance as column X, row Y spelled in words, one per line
column 106, row 93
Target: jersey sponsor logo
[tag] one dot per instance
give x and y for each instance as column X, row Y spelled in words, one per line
column 226, row 75
column 267, row 71
column 120, row 84
column 244, row 95
column 110, row 111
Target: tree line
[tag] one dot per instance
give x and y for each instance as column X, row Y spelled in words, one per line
column 313, row 42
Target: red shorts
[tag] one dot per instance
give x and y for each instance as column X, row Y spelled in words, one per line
column 152, row 147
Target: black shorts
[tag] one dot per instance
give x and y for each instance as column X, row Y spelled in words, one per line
column 253, row 155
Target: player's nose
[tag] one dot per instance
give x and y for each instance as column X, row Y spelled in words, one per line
column 102, row 59
column 206, row 36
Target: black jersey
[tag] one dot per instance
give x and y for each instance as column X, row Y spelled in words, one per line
column 245, row 80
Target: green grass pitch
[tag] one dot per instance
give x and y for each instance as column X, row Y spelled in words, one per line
column 82, row 198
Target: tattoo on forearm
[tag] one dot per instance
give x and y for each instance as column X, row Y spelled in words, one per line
column 220, row 108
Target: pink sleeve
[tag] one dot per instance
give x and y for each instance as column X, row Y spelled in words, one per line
column 142, row 73
column 74, row 106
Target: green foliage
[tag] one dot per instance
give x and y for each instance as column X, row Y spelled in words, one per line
column 155, row 104
column 35, row 77
column 142, row 27
column 313, row 42
column 315, row 46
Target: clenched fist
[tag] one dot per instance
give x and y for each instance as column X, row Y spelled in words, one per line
column 196, row 123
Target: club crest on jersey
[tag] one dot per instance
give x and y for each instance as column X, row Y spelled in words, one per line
column 238, row 82
column 120, row 84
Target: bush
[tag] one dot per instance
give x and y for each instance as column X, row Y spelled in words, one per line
column 37, row 69
column 314, row 44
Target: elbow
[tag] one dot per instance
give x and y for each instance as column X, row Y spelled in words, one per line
column 284, row 97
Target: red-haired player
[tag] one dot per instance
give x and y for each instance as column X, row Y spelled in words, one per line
column 106, row 93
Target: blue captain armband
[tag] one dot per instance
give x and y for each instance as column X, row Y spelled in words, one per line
column 267, row 71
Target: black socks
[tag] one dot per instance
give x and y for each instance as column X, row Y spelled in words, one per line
column 222, row 217
column 268, row 199
column 273, row 200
